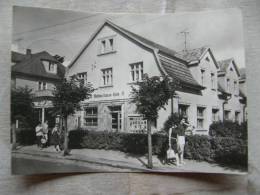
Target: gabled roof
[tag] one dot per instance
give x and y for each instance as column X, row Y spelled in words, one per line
column 17, row 57
column 170, row 69
column 179, row 72
column 32, row 65
column 224, row 64
column 195, row 55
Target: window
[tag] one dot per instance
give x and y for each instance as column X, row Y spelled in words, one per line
column 202, row 77
column 235, row 88
column 227, row 115
column 207, row 59
column 228, row 85
column 42, row 85
column 213, row 83
column 136, row 71
column 91, row 116
column 107, row 77
column 200, row 117
column 82, row 77
column 107, row 45
column 215, row 115
column 237, row 114
column 111, row 44
column 183, row 111
column 51, row 67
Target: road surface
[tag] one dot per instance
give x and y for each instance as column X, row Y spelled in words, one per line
column 23, row 164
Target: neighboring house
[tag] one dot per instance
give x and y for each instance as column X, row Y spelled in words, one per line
column 115, row 58
column 228, row 79
column 39, row 72
column 201, row 110
column 243, row 92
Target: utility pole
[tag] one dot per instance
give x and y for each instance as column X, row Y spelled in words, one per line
column 185, row 34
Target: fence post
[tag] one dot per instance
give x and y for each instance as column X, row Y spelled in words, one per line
column 13, row 129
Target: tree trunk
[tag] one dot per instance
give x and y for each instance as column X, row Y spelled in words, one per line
column 149, row 134
column 66, row 137
column 13, row 129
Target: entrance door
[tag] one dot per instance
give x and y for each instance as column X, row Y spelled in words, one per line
column 116, row 117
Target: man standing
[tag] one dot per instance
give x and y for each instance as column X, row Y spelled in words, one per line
column 39, row 134
column 181, row 139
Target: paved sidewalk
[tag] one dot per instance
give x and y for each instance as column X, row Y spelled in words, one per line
column 119, row 159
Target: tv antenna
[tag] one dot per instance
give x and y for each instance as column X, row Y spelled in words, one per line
column 185, row 33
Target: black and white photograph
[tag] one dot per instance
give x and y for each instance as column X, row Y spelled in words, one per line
column 128, row 92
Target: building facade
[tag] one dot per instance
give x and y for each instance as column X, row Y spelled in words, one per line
column 39, row 72
column 115, row 58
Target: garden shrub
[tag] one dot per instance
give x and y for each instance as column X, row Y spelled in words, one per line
column 225, row 151
column 198, row 147
column 229, row 151
column 228, row 129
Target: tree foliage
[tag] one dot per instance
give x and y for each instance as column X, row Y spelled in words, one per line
column 173, row 120
column 68, row 94
column 21, row 105
column 67, row 97
column 152, row 94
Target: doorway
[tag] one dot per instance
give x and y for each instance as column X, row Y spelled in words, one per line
column 116, row 115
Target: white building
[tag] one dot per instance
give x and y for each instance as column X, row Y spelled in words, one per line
column 114, row 58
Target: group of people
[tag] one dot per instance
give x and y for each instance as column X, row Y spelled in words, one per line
column 45, row 138
column 184, row 128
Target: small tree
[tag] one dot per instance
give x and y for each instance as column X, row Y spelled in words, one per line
column 151, row 95
column 67, row 97
column 21, row 109
column 22, row 106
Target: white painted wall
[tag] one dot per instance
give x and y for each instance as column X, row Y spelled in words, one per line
column 126, row 52
column 208, row 99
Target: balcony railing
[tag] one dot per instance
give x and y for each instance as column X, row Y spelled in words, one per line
column 43, row 93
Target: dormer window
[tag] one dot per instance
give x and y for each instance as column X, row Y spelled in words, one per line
column 202, row 71
column 50, row 67
column 228, row 85
column 213, row 81
column 235, row 88
column 107, row 45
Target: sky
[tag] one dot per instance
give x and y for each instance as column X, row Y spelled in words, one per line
column 65, row 32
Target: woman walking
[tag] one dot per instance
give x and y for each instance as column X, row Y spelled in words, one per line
column 56, row 138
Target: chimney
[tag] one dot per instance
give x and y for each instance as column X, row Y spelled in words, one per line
column 28, row 52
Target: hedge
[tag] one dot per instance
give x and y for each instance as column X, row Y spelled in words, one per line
column 25, row 136
column 228, row 129
column 125, row 142
column 225, row 151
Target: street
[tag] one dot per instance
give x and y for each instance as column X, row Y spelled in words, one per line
column 27, row 165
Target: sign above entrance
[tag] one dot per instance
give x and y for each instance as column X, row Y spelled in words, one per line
column 112, row 94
